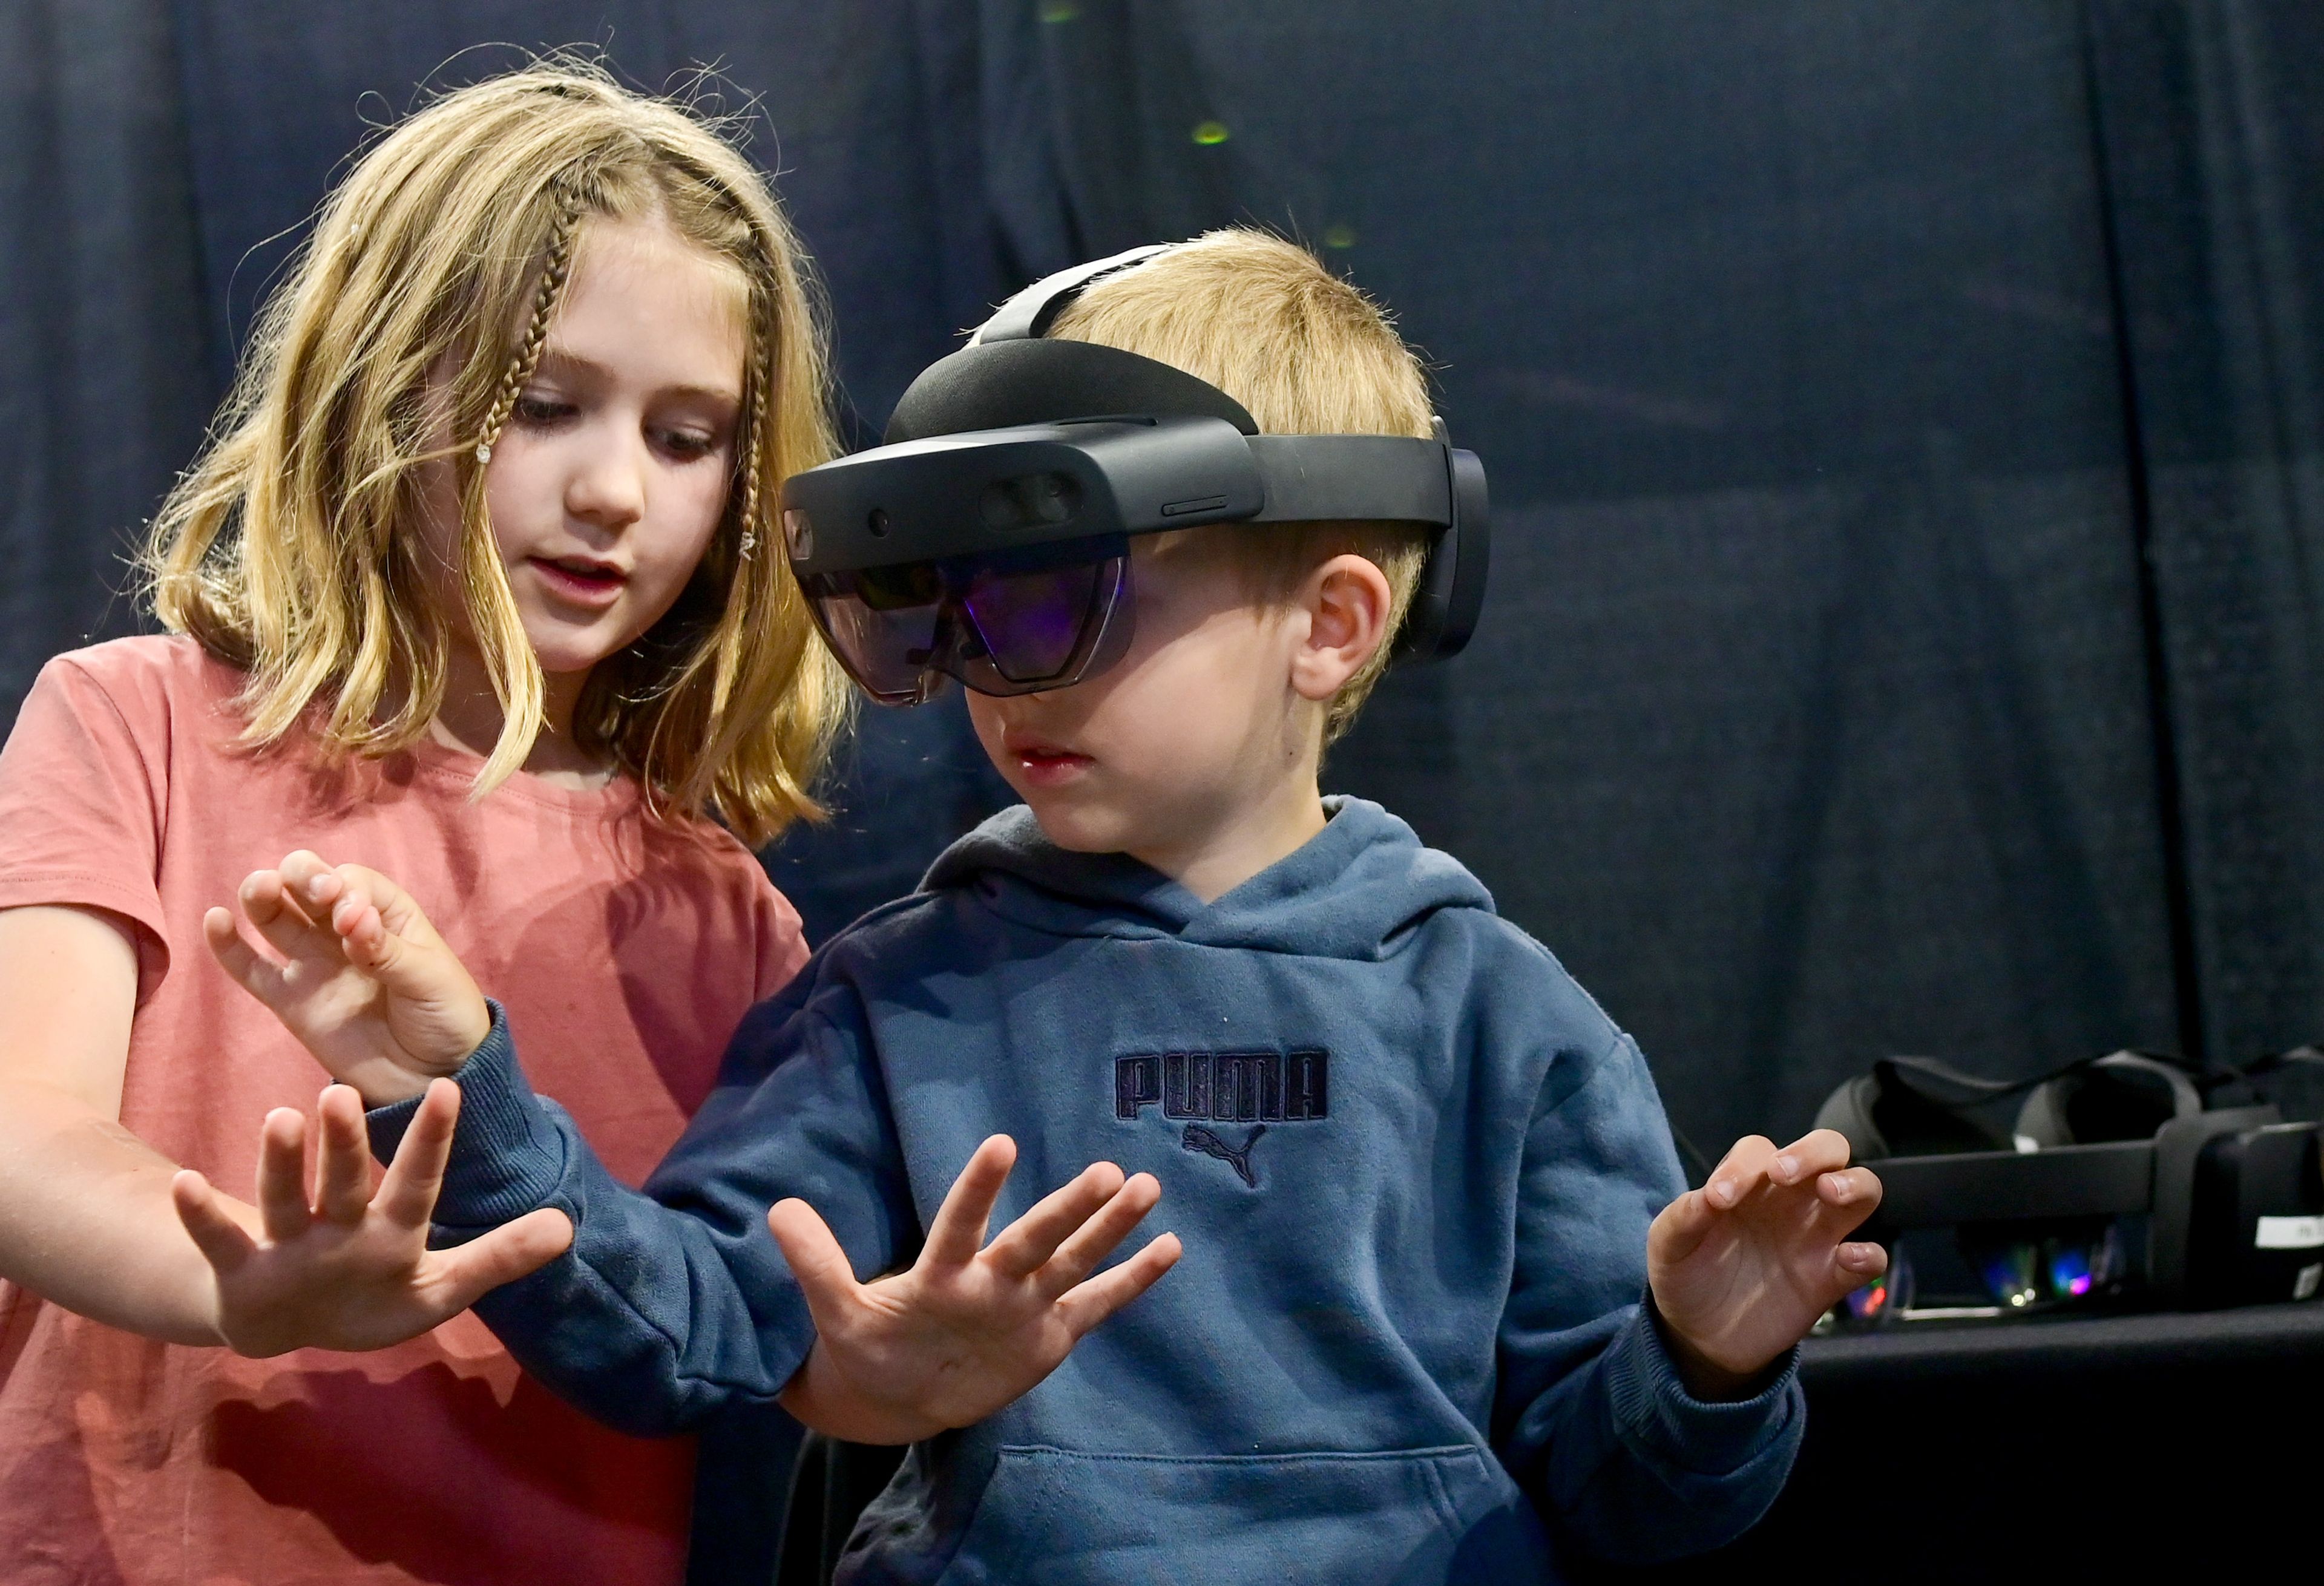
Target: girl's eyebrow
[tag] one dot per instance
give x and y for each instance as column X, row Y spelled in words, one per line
column 556, row 360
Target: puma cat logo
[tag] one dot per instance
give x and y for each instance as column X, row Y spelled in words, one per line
column 1207, row 1141
column 1206, row 1091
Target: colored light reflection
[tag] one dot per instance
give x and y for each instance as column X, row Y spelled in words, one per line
column 2069, row 1270
column 2009, row 1276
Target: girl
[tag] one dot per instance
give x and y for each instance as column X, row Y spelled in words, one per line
column 478, row 577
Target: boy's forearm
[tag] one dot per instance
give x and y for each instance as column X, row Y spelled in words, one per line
column 86, row 1221
column 1638, row 1470
column 650, row 1323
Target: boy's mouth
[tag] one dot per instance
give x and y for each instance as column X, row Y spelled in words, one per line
column 1044, row 765
column 580, row 580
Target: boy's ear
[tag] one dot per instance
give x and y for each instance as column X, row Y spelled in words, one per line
column 1347, row 602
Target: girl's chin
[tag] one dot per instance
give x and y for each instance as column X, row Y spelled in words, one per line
column 565, row 647
column 568, row 663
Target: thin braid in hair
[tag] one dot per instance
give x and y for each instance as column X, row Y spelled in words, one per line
column 754, row 439
column 555, row 268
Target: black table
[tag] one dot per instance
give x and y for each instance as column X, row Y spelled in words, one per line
column 2126, row 1448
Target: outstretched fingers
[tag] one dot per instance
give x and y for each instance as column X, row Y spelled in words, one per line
column 1085, row 1306
column 468, row 1273
column 816, row 1261
column 957, row 1233
column 1021, row 1248
column 283, row 1210
column 342, row 1165
column 408, row 1190
column 223, row 1242
column 1081, row 1252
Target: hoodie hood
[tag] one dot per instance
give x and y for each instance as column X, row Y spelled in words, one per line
column 1354, row 891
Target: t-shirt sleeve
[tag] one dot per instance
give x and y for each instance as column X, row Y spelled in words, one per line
column 782, row 938
column 82, row 797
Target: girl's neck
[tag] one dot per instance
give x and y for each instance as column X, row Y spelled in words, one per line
column 470, row 718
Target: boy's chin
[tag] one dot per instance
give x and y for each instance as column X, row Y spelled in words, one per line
column 1073, row 825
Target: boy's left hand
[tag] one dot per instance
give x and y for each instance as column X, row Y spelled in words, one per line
column 1742, row 1267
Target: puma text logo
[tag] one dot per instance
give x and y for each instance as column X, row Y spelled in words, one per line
column 1206, row 1142
column 1225, row 1087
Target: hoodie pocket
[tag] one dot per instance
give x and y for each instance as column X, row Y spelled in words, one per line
column 1051, row 1516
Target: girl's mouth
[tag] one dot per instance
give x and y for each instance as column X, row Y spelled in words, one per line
column 580, row 581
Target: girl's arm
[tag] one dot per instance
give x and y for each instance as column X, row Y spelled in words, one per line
column 86, row 1218
column 96, row 1220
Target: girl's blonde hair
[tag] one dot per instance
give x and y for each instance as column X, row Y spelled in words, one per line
column 290, row 548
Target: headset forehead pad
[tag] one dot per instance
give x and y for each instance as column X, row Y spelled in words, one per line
column 1002, row 385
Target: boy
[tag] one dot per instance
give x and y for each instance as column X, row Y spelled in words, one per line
column 1418, row 1171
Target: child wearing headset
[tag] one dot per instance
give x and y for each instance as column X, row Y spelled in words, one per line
column 477, row 577
column 1444, row 1308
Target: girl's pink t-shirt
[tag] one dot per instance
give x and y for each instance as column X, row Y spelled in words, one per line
column 625, row 951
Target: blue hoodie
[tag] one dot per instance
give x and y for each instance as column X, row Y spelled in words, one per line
column 1411, row 1162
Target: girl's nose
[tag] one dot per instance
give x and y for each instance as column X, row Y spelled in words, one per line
column 609, row 486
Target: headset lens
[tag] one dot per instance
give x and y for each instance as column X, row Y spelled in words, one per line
column 1031, row 624
column 878, row 626
column 1000, row 625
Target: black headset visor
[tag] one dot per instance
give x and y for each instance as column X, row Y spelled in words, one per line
column 1002, row 490
column 987, row 539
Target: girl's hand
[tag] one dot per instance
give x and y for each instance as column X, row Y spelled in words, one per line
column 339, row 1265
column 1742, row 1267
column 356, row 972
column 972, row 1326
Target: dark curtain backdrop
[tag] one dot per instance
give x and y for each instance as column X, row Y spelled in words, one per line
column 1904, row 425
column 1907, row 426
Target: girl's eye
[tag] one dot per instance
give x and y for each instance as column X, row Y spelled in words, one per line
column 688, row 444
column 537, row 410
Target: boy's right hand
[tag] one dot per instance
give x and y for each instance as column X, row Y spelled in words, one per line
column 972, row 1326
column 356, row 972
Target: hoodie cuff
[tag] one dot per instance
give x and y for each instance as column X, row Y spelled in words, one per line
column 507, row 1153
column 1652, row 1404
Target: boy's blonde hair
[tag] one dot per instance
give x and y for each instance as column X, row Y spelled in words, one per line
column 293, row 546
column 1307, row 353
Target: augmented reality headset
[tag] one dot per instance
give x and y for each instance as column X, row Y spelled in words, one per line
column 987, row 539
